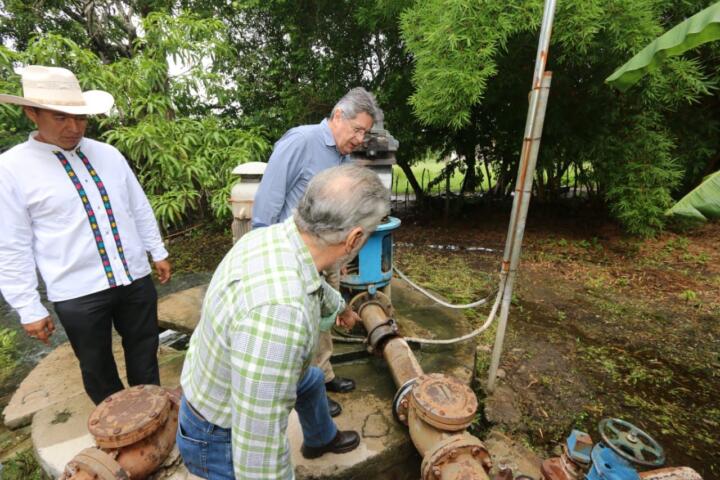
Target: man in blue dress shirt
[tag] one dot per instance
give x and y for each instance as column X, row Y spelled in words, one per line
column 297, row 157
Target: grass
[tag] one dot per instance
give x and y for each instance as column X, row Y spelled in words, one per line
column 8, row 353
column 22, row 466
column 424, row 172
column 447, row 275
column 429, row 168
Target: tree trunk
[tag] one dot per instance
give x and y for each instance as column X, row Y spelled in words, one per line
column 540, row 183
column 470, row 180
column 447, row 196
column 487, row 174
column 419, row 194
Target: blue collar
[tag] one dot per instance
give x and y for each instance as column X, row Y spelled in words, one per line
column 327, row 133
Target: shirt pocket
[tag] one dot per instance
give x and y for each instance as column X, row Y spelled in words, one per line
column 116, row 192
column 57, row 205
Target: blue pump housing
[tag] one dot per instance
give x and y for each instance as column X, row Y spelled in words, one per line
column 372, row 269
column 607, row 465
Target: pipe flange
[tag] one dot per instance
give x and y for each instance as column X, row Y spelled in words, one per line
column 447, row 450
column 362, row 299
column 400, row 401
column 380, row 334
column 129, row 415
column 444, row 402
column 95, row 462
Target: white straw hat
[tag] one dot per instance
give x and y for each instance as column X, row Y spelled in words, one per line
column 55, row 88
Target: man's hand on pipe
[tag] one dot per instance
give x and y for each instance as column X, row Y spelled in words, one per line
column 347, row 318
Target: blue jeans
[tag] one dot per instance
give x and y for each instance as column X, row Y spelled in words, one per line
column 207, row 450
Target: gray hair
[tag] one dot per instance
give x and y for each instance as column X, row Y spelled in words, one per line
column 339, row 199
column 358, row 100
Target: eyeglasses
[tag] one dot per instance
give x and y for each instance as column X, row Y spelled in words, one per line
column 357, row 129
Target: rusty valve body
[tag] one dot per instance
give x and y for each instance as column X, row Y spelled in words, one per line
column 134, row 430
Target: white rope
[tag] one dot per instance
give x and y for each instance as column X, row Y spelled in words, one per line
column 440, row 300
column 474, row 333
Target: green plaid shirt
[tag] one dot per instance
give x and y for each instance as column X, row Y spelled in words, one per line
column 256, row 336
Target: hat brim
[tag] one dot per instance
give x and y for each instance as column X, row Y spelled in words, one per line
column 97, row 102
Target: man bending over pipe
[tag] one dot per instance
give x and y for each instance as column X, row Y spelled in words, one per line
column 249, row 359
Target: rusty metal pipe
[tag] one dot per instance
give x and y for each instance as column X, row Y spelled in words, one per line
column 142, row 448
column 144, row 457
column 424, row 436
column 397, row 353
column 447, row 455
column 83, row 475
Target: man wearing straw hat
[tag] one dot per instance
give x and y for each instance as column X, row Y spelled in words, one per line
column 71, row 208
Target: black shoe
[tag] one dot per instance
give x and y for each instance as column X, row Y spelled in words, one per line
column 343, row 442
column 335, row 408
column 340, row 385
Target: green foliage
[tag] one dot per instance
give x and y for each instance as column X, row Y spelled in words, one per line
column 701, row 204
column 23, row 466
column 451, row 75
column 473, row 68
column 455, row 44
column 187, row 162
column 293, row 64
column 702, row 27
column 13, row 123
column 642, row 175
column 162, row 122
column 8, row 353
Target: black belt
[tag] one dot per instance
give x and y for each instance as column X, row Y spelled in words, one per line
column 193, row 411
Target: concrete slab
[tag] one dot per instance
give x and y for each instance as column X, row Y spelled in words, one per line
column 384, row 445
column 59, row 431
column 54, row 379
column 180, row 311
column 386, row 451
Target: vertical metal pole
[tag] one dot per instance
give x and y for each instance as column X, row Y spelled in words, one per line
column 523, row 185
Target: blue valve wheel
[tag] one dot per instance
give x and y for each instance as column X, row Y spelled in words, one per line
column 631, row 443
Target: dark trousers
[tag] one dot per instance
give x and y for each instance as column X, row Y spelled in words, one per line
column 88, row 322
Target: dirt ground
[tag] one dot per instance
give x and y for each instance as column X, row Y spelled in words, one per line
column 602, row 325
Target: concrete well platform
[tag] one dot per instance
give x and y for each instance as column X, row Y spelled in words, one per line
column 59, row 424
